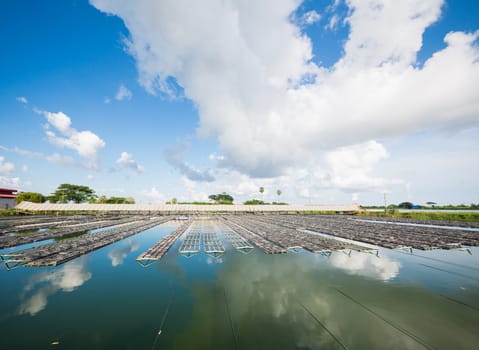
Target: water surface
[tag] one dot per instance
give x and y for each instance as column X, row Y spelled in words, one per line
column 106, row 300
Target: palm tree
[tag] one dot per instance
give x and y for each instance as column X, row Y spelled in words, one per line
column 278, row 192
column 261, row 190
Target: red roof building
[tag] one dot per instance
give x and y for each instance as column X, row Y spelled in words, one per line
column 7, row 198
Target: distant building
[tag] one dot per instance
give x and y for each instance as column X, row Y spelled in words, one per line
column 7, row 198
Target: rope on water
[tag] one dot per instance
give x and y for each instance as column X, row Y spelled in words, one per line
column 165, row 314
column 231, row 319
column 323, row 326
column 397, row 327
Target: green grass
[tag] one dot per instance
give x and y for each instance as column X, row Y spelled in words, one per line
column 468, row 217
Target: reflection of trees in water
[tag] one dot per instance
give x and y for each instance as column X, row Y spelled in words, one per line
column 67, row 278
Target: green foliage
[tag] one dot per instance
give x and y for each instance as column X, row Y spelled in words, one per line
column 222, row 198
column 113, row 200
column 278, row 192
column 427, row 215
column 405, row 205
column 254, row 202
column 10, row 212
column 120, row 200
column 72, row 193
column 33, row 197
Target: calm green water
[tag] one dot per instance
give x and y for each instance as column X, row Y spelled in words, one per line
column 105, row 300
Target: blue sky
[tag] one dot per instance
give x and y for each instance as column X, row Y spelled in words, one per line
column 328, row 101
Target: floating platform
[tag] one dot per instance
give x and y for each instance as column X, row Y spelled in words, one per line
column 57, row 253
column 290, row 238
column 162, row 246
column 211, row 244
column 237, row 241
column 381, row 232
column 262, row 243
column 20, row 239
column 192, row 243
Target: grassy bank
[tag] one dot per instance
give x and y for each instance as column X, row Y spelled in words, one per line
column 469, row 217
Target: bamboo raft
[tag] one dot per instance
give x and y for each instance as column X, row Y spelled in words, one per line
column 13, row 241
column 262, row 243
column 237, row 241
column 211, row 244
column 162, row 246
column 384, row 234
column 57, row 253
column 192, row 243
column 291, row 238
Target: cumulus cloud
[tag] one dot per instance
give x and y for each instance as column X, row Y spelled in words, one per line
column 6, row 167
column 272, row 108
column 67, row 278
column 85, row 143
column 122, row 94
column 22, row 99
column 126, row 161
column 174, row 157
column 351, row 168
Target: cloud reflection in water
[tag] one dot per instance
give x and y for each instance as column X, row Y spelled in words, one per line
column 67, row 278
column 118, row 255
column 365, row 264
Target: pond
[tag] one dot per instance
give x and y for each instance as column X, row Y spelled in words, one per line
column 298, row 300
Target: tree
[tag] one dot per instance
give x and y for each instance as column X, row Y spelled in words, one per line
column 254, row 202
column 72, row 193
column 278, row 192
column 261, row 190
column 222, row 198
column 405, row 205
column 102, row 199
column 120, row 200
column 33, row 197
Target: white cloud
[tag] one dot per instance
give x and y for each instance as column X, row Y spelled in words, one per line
column 90, row 177
column 154, row 196
column 123, row 93
column 332, row 23
column 351, row 168
column 25, row 168
column 85, row 143
column 22, row 99
column 6, row 167
column 173, row 156
column 126, row 161
column 311, row 17
column 249, row 85
column 10, row 182
column 217, row 157
column 53, row 158
column 106, row 100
